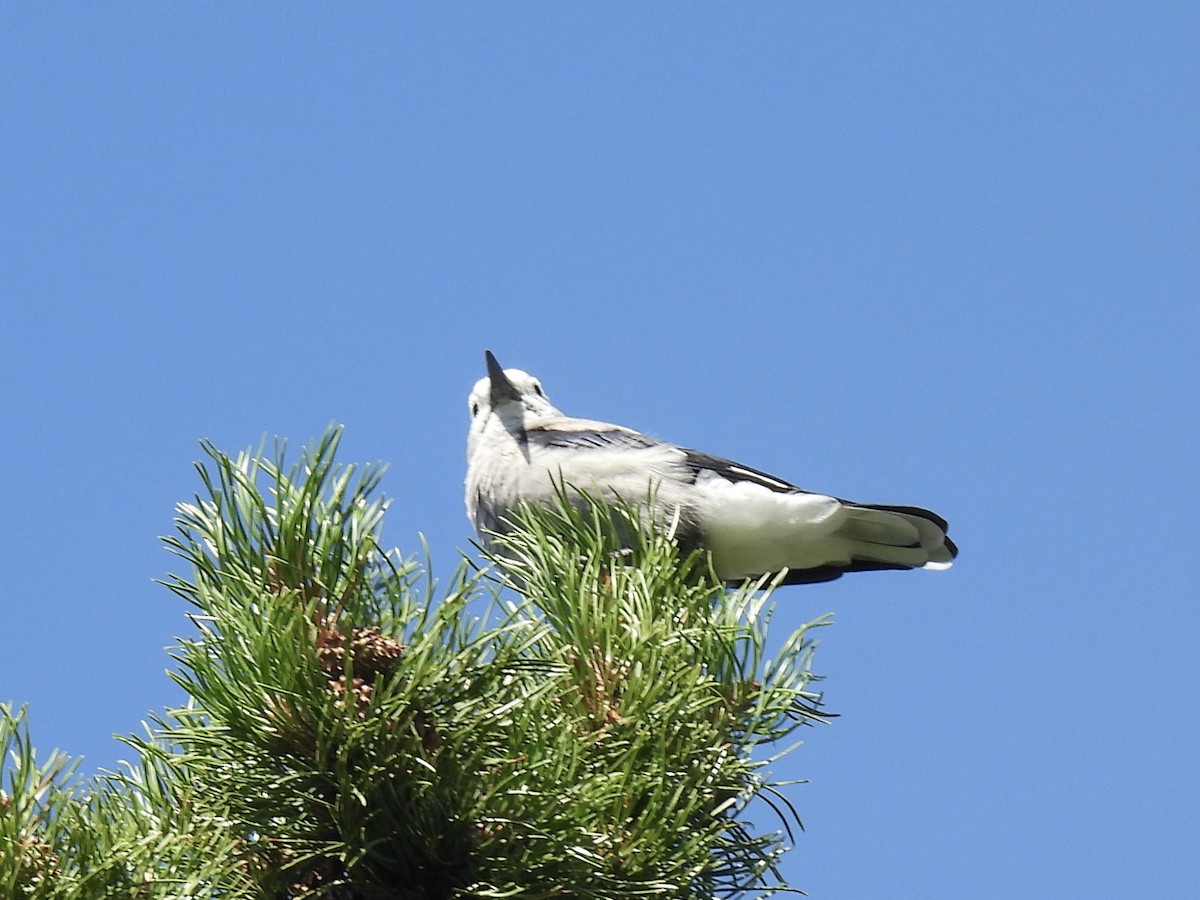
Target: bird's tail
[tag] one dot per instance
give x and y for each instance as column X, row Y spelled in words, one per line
column 870, row 537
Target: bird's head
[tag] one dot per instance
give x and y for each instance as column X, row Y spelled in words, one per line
column 508, row 397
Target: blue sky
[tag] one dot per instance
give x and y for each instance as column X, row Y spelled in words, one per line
column 931, row 253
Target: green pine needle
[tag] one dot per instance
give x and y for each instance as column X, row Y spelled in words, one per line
column 589, row 716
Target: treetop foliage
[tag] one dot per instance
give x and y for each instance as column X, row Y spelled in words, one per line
column 585, row 716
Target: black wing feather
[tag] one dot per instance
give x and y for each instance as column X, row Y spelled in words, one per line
column 699, row 462
column 589, row 440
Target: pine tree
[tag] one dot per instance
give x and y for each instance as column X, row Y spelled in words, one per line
column 586, row 716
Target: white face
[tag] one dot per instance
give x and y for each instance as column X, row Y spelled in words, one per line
column 530, row 403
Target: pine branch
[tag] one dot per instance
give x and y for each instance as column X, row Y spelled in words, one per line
column 583, row 718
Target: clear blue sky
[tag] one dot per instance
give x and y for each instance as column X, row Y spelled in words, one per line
column 930, row 253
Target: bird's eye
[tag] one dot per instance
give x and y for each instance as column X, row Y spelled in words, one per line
column 537, row 389
column 474, row 410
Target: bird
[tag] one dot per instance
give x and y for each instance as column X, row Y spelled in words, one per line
column 523, row 451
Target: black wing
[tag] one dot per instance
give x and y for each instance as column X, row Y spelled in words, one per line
column 593, row 439
column 698, row 462
column 726, row 468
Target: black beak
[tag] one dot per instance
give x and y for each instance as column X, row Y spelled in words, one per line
column 502, row 388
